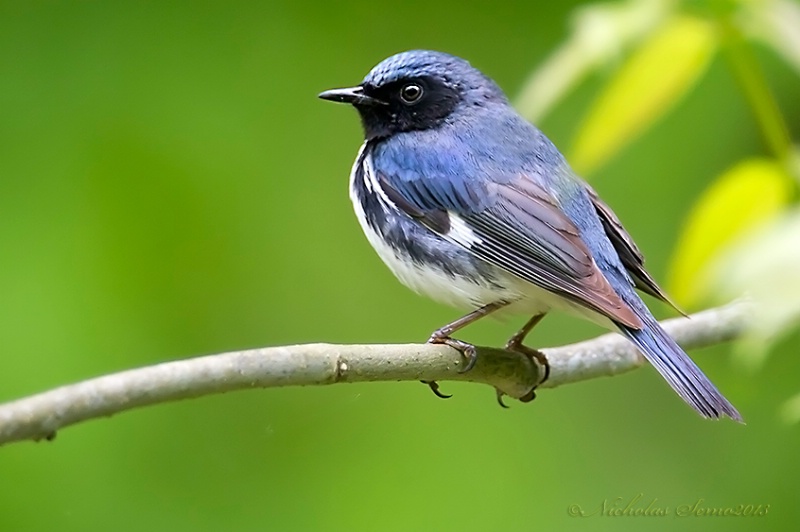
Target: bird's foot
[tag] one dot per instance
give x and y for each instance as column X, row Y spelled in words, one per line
column 516, row 346
column 467, row 351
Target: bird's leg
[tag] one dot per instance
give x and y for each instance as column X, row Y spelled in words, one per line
column 515, row 344
column 442, row 336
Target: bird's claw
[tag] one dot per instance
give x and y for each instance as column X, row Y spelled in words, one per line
column 434, row 386
column 500, row 395
column 528, row 397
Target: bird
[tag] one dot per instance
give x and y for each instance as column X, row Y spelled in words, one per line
column 470, row 204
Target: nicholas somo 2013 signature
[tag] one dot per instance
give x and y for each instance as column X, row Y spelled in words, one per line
column 639, row 506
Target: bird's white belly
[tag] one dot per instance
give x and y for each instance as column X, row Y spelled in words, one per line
column 453, row 290
column 463, row 293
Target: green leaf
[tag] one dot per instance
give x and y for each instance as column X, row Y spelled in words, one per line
column 740, row 200
column 599, row 34
column 763, row 265
column 648, row 84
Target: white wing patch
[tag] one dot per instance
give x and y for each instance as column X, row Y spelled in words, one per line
column 460, row 232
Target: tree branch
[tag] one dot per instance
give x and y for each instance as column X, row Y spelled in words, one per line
column 41, row 415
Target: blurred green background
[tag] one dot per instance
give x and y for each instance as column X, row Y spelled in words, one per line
column 170, row 186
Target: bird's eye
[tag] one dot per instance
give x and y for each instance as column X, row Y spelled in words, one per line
column 411, row 93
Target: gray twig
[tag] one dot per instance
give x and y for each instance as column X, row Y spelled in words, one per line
column 40, row 416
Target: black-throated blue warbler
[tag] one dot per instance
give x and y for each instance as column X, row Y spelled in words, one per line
column 468, row 203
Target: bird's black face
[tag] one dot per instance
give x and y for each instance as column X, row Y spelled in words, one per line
column 407, row 104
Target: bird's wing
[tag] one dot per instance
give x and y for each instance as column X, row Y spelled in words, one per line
column 518, row 228
column 628, row 252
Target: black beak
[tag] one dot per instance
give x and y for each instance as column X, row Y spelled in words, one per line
column 351, row 95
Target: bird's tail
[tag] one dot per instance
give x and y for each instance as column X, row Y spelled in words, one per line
column 679, row 370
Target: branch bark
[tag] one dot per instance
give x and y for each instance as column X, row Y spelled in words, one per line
column 40, row 416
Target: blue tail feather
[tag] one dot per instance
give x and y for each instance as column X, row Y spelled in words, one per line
column 679, row 370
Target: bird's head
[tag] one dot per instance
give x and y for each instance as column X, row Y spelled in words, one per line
column 416, row 90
